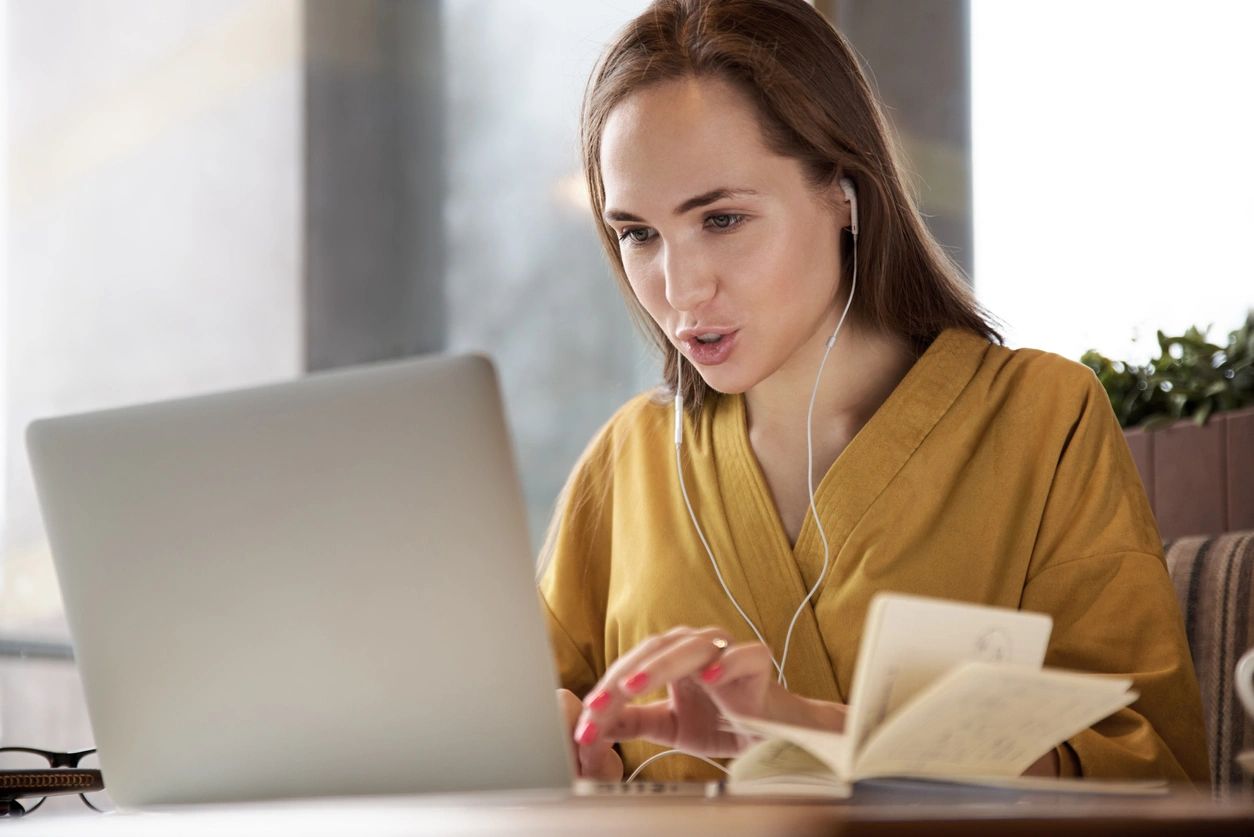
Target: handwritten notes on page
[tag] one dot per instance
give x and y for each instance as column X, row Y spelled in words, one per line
column 988, row 719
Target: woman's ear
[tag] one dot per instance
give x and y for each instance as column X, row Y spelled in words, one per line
column 835, row 197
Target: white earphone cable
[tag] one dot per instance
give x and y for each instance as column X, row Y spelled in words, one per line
column 717, row 572
column 831, row 341
column 657, row 756
column 679, row 403
column 853, row 285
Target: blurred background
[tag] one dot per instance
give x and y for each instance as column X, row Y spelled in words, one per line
column 207, row 194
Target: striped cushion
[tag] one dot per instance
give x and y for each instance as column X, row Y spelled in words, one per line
column 1214, row 577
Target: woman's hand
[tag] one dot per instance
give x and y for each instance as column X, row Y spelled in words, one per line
column 704, row 679
column 609, row 767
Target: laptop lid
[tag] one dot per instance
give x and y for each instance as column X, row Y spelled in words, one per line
column 322, row 586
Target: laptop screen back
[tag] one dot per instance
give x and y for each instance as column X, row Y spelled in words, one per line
column 318, row 587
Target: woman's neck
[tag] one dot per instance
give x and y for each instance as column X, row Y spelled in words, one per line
column 863, row 369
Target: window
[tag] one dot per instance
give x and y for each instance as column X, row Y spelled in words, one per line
column 153, row 251
column 527, row 281
column 1112, row 170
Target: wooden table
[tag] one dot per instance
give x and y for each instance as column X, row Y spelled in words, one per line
column 884, row 812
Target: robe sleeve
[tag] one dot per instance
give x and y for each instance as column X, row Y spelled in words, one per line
column 574, row 569
column 1097, row 568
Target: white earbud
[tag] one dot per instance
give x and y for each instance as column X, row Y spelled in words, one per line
column 846, row 186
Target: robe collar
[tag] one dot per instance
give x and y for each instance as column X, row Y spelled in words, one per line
column 772, row 576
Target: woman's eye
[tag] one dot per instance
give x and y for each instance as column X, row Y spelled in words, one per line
column 726, row 220
column 721, row 222
column 636, row 238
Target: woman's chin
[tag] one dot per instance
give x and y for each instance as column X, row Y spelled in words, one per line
column 724, row 380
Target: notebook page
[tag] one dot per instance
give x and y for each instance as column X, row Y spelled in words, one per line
column 988, row 719
column 828, row 748
column 909, row 642
column 778, row 767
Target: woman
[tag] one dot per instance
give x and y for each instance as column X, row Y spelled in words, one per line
column 732, row 149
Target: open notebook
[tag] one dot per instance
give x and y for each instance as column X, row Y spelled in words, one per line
column 942, row 691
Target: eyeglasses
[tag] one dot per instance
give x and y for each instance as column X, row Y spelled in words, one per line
column 30, row 774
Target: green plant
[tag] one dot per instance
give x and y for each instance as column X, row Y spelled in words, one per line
column 1191, row 378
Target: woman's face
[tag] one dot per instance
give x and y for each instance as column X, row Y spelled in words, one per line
column 718, row 234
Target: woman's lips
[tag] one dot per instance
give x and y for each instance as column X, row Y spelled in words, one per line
column 711, row 354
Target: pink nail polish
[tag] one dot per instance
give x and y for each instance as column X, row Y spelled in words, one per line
column 600, row 700
column 712, row 673
column 636, row 682
column 588, row 734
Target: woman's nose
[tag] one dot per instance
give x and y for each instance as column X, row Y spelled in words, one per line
column 689, row 283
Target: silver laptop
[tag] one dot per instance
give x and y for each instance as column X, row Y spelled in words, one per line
column 317, row 587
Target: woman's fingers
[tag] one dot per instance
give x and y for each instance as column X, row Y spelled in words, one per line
column 570, row 706
column 599, row 760
column 751, row 659
column 651, row 664
column 742, row 681
column 605, row 696
column 689, row 720
column 652, row 721
column 706, row 679
column 682, row 658
column 609, row 768
column 649, row 648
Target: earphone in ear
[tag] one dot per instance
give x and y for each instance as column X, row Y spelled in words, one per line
column 846, row 186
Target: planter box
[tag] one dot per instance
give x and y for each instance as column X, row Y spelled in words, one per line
column 1200, row 480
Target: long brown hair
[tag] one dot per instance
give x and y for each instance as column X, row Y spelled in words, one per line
column 815, row 106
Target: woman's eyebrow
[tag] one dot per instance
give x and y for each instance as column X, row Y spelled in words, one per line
column 705, row 199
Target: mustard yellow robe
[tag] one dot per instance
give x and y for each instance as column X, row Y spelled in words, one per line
column 989, row 475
